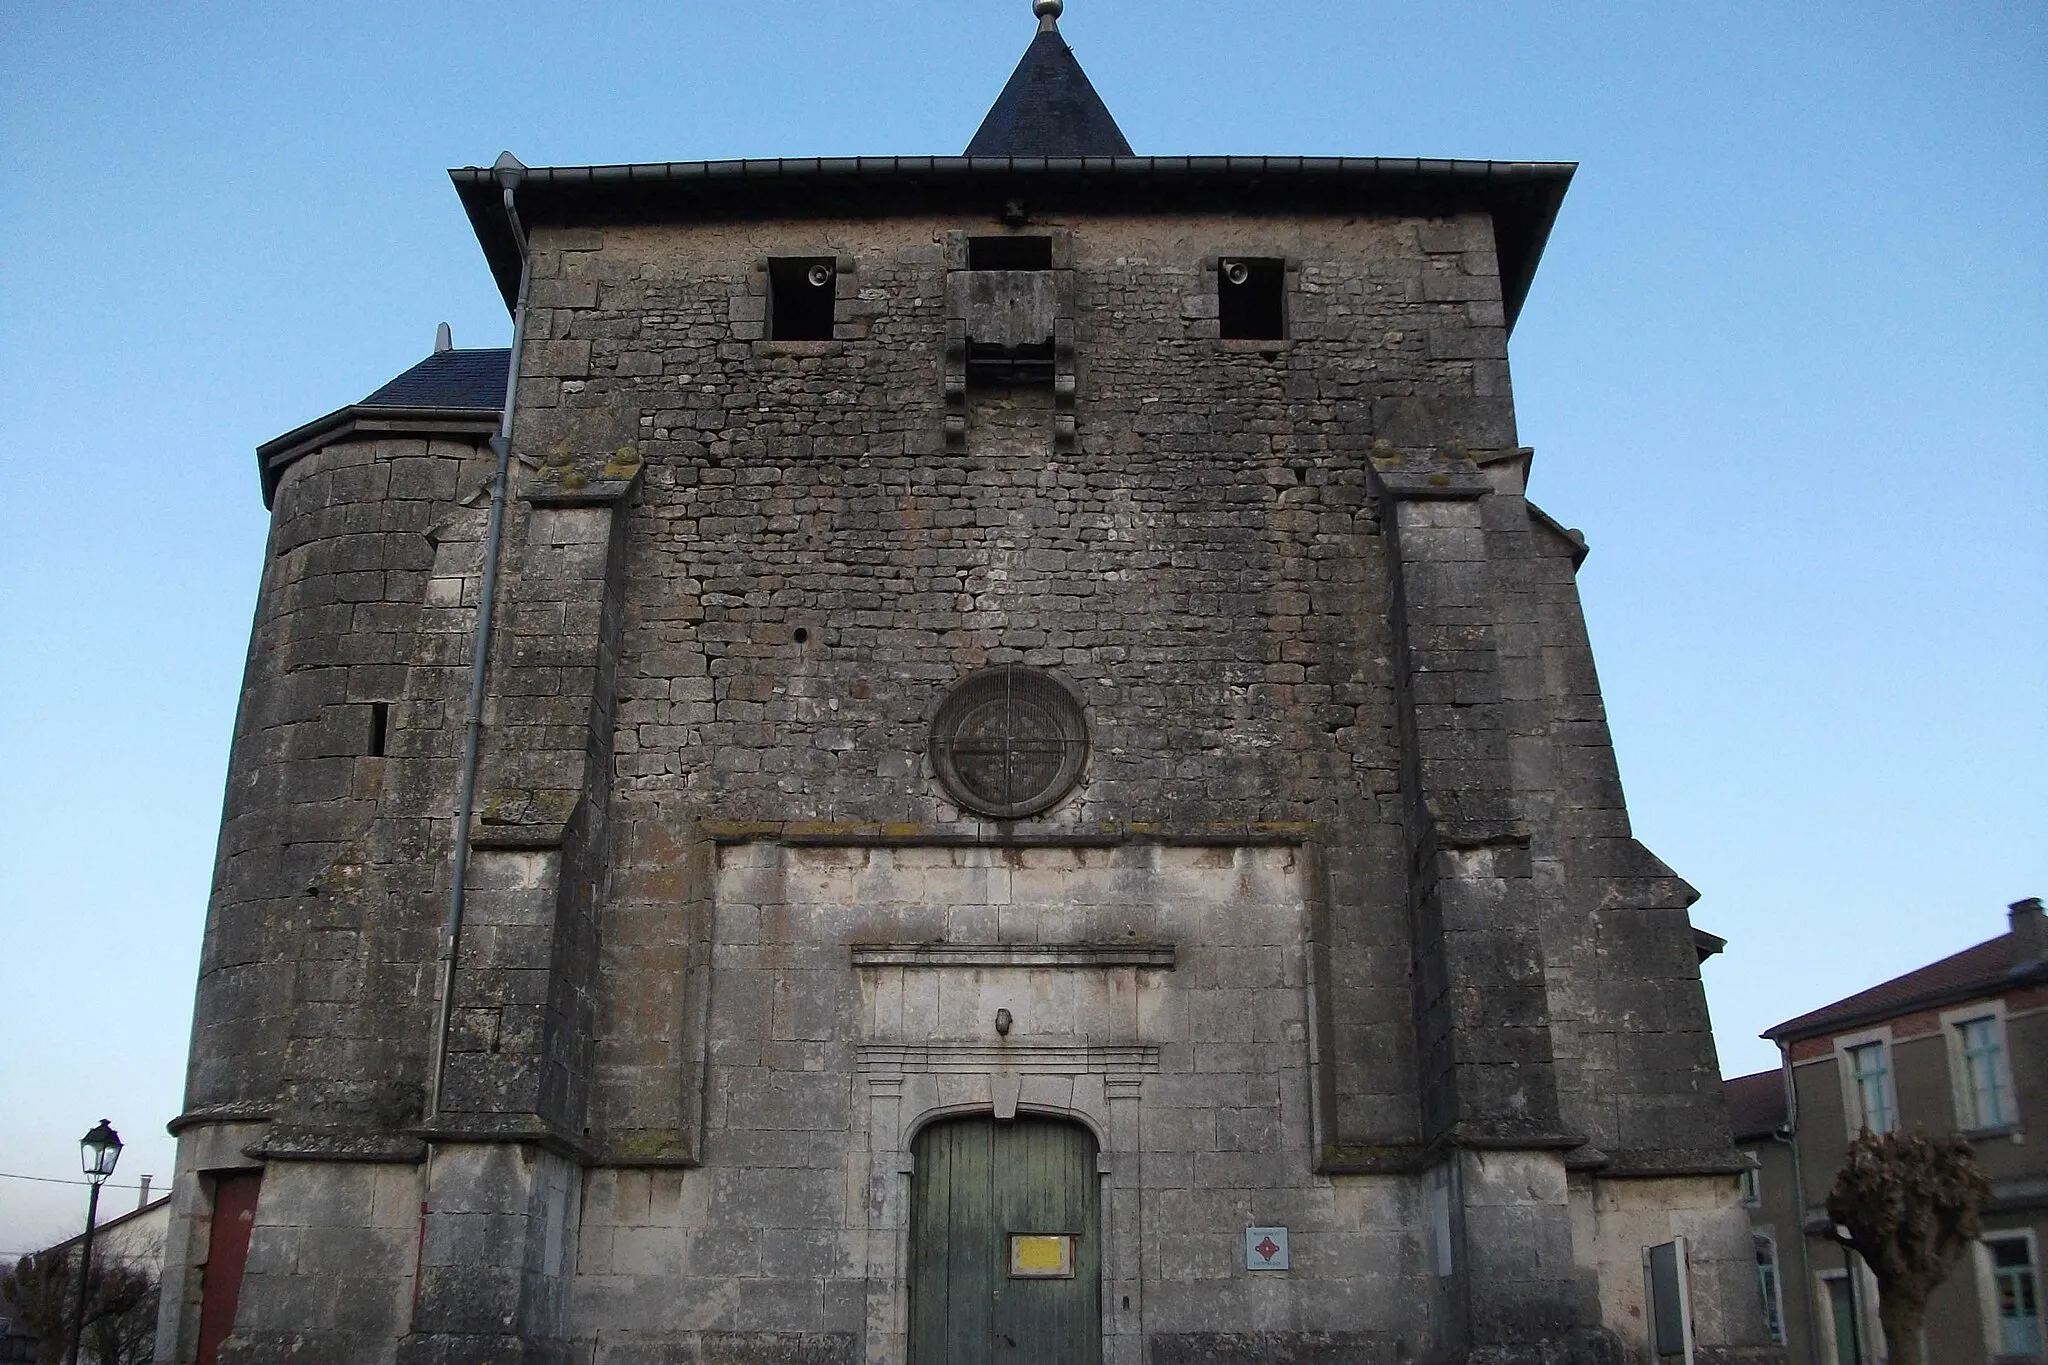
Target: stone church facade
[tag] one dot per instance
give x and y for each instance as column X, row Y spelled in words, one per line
column 1036, row 790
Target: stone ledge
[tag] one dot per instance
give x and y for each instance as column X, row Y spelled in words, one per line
column 240, row 1112
column 910, row 834
column 283, row 1143
column 1652, row 1163
column 1147, row 956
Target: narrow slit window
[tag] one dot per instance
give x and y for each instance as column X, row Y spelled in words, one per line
column 1251, row 296
column 380, row 727
column 1009, row 253
column 801, row 293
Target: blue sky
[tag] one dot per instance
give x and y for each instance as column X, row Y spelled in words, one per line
column 1786, row 363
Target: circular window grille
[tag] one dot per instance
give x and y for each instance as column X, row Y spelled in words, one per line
column 1009, row 742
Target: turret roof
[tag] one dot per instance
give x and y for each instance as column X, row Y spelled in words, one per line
column 1049, row 108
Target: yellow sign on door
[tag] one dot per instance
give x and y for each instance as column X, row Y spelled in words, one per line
column 1041, row 1256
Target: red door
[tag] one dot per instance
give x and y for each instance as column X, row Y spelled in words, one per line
column 227, row 1253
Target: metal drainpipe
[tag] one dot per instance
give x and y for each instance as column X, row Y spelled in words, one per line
column 1791, row 1141
column 509, row 173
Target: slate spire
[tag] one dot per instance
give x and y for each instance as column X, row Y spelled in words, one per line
column 1049, row 108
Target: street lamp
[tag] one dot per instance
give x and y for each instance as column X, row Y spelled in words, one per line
column 97, row 1153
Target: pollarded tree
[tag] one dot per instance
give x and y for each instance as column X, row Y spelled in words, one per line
column 1911, row 1205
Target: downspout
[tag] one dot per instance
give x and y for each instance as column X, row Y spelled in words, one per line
column 509, row 173
column 1791, row 1140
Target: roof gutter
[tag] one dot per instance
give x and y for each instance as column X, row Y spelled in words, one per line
column 1522, row 196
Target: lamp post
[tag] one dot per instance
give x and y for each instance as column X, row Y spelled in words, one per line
column 97, row 1153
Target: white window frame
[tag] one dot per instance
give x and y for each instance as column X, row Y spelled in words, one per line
column 1753, row 1182
column 1869, row 1331
column 1961, row 1086
column 1987, row 1283
column 1774, row 1302
column 1852, row 1094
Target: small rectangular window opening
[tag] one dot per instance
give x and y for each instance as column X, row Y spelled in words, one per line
column 1251, row 296
column 1009, row 253
column 801, row 294
column 380, row 727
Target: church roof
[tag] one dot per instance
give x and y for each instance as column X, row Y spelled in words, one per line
column 455, row 394
column 448, row 379
column 1049, row 108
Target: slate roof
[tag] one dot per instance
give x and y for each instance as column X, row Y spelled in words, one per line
column 1756, row 1104
column 1986, row 969
column 1049, row 108
column 456, row 393
column 448, row 379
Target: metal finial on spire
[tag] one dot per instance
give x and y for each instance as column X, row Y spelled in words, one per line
column 1048, row 12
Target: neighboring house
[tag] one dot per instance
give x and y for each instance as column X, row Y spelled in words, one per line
column 1958, row 1046
column 135, row 1238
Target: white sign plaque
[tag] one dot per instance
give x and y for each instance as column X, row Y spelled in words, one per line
column 1265, row 1248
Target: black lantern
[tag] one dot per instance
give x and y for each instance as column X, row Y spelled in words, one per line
column 98, row 1151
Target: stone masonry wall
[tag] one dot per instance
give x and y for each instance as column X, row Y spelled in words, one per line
column 811, row 569
column 1192, row 1074
column 321, row 937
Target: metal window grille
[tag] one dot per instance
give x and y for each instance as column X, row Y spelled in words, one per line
column 1009, row 742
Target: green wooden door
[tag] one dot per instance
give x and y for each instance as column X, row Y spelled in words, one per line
column 1005, row 1245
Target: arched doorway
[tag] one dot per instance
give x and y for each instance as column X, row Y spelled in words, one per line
column 1005, row 1244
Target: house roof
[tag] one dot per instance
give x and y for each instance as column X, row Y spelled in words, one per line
column 1756, row 1104
column 1986, row 969
column 106, row 1225
column 450, row 393
column 1049, row 108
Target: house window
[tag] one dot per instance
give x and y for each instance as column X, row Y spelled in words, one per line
column 801, row 293
column 1842, row 1332
column 2016, row 1294
column 1870, row 1082
column 1987, row 1103
column 1767, row 1285
column 1251, row 299
column 1752, row 1187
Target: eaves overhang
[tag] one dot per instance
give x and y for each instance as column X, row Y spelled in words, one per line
column 1521, row 196
column 364, row 421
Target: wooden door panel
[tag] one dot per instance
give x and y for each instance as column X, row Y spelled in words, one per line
column 977, row 1183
